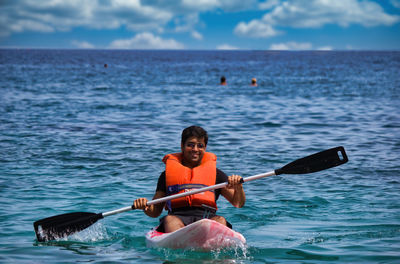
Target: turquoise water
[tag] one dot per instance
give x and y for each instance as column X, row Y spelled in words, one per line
column 76, row 136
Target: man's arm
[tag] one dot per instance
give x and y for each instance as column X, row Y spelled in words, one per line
column 234, row 192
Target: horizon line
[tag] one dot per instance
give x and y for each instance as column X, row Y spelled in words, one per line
column 224, row 50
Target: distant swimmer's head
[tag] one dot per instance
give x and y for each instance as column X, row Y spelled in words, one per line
column 223, row 80
column 254, row 82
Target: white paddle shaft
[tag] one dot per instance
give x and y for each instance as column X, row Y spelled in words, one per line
column 179, row 195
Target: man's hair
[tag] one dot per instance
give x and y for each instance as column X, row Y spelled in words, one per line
column 223, row 79
column 194, row 131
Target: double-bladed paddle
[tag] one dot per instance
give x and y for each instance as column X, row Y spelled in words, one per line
column 60, row 226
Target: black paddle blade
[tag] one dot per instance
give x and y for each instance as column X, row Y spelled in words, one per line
column 319, row 161
column 60, row 226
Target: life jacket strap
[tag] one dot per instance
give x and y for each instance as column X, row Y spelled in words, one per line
column 173, row 189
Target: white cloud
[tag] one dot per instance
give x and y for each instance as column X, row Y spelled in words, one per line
column 325, row 48
column 146, row 40
column 82, row 44
column 25, row 24
column 315, row 14
column 268, row 4
column 208, row 5
column 395, row 3
column 291, row 46
column 255, row 29
column 237, row 5
column 136, row 15
column 187, row 23
column 57, row 15
column 200, row 4
column 197, row 35
column 226, row 47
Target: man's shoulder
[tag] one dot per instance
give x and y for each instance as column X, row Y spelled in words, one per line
column 161, row 182
column 220, row 171
column 221, row 176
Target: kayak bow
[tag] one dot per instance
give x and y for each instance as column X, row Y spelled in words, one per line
column 203, row 235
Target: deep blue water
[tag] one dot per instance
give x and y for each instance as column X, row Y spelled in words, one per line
column 76, row 136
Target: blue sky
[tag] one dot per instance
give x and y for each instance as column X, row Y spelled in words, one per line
column 201, row 24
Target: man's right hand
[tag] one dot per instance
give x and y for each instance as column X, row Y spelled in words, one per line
column 153, row 210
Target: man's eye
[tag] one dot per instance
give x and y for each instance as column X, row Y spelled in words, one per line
column 192, row 145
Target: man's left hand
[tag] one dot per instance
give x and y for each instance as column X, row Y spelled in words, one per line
column 234, row 182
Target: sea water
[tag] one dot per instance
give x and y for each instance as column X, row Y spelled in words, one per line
column 86, row 130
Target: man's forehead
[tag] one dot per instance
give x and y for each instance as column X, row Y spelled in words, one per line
column 201, row 139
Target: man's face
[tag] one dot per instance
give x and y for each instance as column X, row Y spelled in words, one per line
column 193, row 151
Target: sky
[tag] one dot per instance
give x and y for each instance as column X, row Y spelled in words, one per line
column 201, row 24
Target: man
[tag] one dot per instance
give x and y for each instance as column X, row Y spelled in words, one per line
column 189, row 169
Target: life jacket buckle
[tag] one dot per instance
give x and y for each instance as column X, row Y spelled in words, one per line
column 208, row 210
column 173, row 189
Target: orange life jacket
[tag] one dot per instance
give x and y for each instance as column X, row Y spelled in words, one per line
column 180, row 178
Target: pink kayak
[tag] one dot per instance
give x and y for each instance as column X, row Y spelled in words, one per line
column 205, row 234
